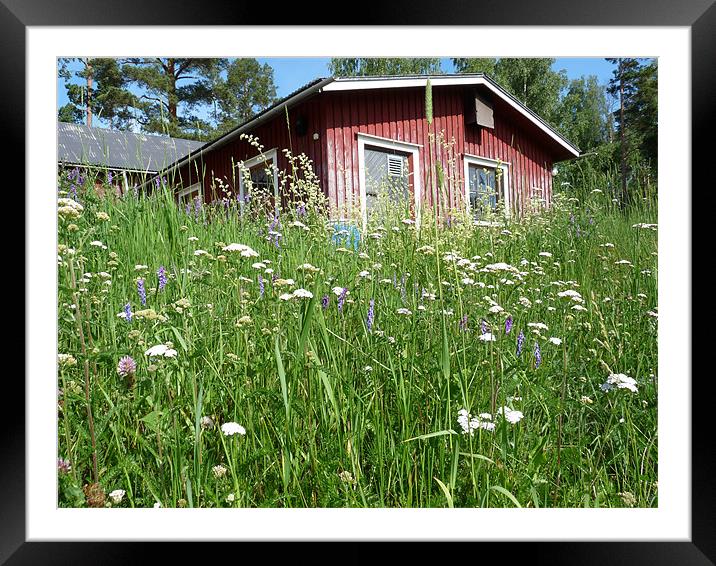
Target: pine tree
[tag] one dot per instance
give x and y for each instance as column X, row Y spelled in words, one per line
column 627, row 80
column 102, row 92
column 167, row 86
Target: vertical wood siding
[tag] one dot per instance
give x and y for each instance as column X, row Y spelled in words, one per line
column 397, row 114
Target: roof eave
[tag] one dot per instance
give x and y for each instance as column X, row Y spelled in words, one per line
column 252, row 123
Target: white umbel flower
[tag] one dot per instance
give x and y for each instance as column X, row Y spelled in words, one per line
column 116, row 496
column 511, row 416
column 161, row 350
column 229, row 429
column 303, row 294
column 620, row 381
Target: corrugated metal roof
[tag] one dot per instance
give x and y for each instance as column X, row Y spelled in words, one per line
column 82, row 145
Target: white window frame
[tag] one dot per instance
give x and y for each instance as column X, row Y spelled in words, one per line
column 493, row 164
column 387, row 143
column 190, row 189
column 271, row 156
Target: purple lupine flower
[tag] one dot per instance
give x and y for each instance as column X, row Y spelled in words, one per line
column 109, row 178
column 538, row 356
column 341, row 299
column 63, row 466
column 371, row 315
column 324, row 302
column 157, row 181
column 142, row 291
column 162, row 276
column 508, row 325
column 520, row 342
column 128, row 312
column 395, row 282
column 301, row 209
column 126, row 366
column 187, row 209
column 73, row 192
column 275, row 222
column 261, row 286
column 463, row 323
column 483, row 326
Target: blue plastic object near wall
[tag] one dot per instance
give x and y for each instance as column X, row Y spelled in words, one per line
column 346, row 235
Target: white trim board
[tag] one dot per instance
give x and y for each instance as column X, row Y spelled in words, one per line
column 487, row 162
column 344, row 84
column 270, row 156
column 387, row 143
column 190, row 189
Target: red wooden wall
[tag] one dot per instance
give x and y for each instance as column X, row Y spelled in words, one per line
column 397, row 114
column 272, row 134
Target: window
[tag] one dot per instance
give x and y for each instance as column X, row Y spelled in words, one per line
column 263, row 174
column 189, row 193
column 485, row 182
column 386, row 176
column 388, row 169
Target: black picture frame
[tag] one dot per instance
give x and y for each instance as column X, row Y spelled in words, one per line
column 698, row 15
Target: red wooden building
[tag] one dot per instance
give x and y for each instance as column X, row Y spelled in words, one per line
column 360, row 130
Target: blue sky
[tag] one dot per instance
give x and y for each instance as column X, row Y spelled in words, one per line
column 290, row 73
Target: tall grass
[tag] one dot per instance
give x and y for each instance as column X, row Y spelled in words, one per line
column 339, row 411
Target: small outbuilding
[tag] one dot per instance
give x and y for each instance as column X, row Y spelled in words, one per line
column 492, row 150
column 121, row 159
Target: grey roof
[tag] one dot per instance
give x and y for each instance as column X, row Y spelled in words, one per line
column 82, row 145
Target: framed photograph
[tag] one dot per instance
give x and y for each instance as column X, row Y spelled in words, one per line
column 443, row 381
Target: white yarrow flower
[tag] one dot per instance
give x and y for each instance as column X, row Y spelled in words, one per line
column 510, row 415
column 117, row 495
column 620, row 381
column 229, row 429
column 161, row 350
column 303, row 294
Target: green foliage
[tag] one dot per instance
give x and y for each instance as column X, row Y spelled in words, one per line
column 337, row 415
column 639, row 81
column 166, row 88
column 475, row 65
column 103, row 92
column 358, row 67
column 70, row 113
column 584, row 113
column 249, row 87
column 534, row 83
column 167, row 96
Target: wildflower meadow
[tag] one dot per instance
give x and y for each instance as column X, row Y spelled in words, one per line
column 247, row 353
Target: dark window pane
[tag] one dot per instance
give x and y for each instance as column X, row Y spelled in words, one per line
column 484, row 189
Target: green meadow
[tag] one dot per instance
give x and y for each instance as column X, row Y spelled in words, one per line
column 233, row 355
